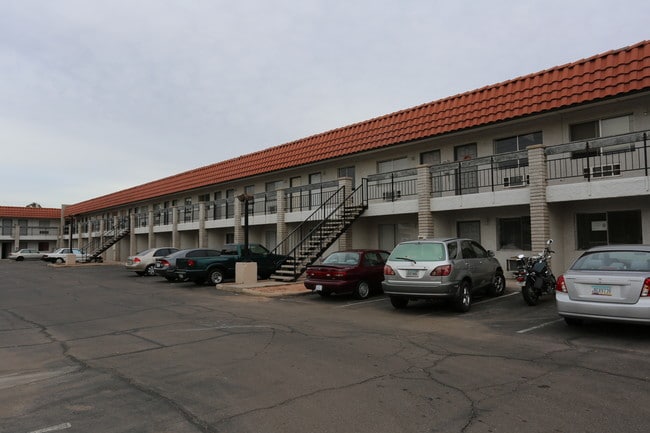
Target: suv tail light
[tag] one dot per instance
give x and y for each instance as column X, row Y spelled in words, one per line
column 645, row 290
column 441, row 271
column 560, row 285
column 388, row 270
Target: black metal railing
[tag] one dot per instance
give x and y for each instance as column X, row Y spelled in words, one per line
column 309, row 197
column 313, row 236
column 491, row 173
column 604, row 158
column 392, row 186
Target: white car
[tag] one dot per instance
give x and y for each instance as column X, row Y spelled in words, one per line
column 25, row 254
column 59, row 255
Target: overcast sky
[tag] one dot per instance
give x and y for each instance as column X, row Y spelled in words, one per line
column 98, row 96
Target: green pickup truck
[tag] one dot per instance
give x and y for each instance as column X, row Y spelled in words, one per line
column 216, row 269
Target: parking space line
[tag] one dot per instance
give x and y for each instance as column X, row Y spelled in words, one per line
column 64, row 426
column 496, row 298
column 361, row 303
column 523, row 331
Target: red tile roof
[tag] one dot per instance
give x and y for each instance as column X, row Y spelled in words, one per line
column 30, row 212
column 606, row 75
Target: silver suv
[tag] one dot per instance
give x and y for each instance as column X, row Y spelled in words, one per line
column 452, row 269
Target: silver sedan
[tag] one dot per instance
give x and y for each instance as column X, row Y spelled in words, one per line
column 25, row 254
column 607, row 283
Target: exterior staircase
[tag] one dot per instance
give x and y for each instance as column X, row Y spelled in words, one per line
column 97, row 246
column 307, row 242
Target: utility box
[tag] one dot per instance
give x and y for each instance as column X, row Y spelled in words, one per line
column 245, row 272
column 70, row 259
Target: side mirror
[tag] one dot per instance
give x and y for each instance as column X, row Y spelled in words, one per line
column 549, row 242
column 490, row 253
column 520, row 256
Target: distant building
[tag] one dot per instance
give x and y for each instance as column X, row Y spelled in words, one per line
column 35, row 228
column 560, row 153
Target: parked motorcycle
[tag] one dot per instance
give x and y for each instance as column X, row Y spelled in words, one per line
column 535, row 276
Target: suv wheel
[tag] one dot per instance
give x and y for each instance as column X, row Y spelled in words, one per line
column 463, row 301
column 498, row 286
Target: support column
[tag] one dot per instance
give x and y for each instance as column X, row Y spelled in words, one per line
column 133, row 248
column 176, row 240
column 345, row 241
column 280, row 225
column 151, row 242
column 16, row 234
column 539, row 213
column 203, row 233
column 425, row 217
column 238, row 226
column 117, row 248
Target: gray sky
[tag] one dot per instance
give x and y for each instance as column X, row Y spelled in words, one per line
column 98, row 96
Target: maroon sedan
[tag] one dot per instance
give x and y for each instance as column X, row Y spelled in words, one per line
column 351, row 271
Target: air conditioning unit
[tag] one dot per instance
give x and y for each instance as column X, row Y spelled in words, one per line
column 392, row 195
column 603, row 171
column 515, row 181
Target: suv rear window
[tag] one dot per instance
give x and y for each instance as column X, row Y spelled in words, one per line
column 419, row 251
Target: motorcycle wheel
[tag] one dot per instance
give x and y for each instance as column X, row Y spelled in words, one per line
column 530, row 295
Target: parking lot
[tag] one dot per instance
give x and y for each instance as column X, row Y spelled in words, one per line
column 94, row 348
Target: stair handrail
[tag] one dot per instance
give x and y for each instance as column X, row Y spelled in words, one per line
column 358, row 195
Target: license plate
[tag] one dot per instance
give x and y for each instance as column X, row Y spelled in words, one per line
column 412, row 273
column 521, row 283
column 319, row 288
column 601, row 290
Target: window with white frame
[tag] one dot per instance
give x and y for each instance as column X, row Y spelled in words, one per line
column 392, row 165
column 600, row 128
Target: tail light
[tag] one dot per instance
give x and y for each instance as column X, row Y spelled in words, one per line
column 441, row 271
column 338, row 274
column 136, row 260
column 645, row 290
column 388, row 270
column 560, row 285
column 164, row 262
column 191, row 263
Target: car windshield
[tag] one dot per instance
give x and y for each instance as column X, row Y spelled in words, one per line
column 419, row 251
column 614, row 261
column 145, row 252
column 342, row 258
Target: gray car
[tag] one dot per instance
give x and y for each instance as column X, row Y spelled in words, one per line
column 453, row 269
column 609, row 283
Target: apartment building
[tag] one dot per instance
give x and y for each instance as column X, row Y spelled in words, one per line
column 29, row 227
column 561, row 153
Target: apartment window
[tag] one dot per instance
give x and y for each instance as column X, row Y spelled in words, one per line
column 347, row 172
column 469, row 230
column 204, row 197
column 273, row 186
column 188, row 201
column 517, row 142
column 431, row 157
column 604, row 228
column 600, row 128
column 514, row 234
column 230, row 238
column 392, row 165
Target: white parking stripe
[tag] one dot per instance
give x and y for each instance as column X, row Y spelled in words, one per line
column 523, row 331
column 362, row 303
column 65, row 425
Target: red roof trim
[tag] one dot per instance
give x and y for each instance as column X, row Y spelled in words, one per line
column 29, row 212
column 606, row 75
